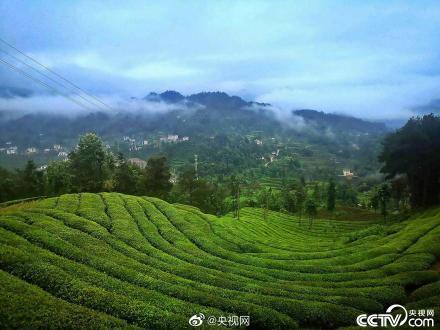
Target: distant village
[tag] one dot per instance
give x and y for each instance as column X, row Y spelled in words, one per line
column 133, row 144
column 9, row 148
column 136, row 145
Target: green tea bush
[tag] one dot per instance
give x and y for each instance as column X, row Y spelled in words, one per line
column 115, row 261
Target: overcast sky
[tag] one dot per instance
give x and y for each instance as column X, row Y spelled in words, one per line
column 372, row 59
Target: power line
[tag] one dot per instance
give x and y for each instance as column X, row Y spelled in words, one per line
column 54, row 73
column 14, row 68
column 53, row 80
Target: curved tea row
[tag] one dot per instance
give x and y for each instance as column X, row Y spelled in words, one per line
column 115, row 260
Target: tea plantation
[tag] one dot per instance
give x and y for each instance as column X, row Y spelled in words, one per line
column 116, row 261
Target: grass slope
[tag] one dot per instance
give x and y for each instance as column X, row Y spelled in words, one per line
column 112, row 260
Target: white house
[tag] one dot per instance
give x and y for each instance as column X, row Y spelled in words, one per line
column 169, row 138
column 185, row 138
column 57, row 147
column 31, row 150
column 347, row 173
column 62, row 154
column 11, row 151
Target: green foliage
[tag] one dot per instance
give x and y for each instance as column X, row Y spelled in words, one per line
column 414, row 150
column 59, row 180
column 113, row 260
column 157, row 177
column 31, row 180
column 8, row 185
column 126, row 177
column 384, row 197
column 90, row 164
column 331, row 196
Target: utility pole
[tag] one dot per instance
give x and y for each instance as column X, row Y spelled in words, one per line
column 267, row 204
column 196, row 166
column 238, row 202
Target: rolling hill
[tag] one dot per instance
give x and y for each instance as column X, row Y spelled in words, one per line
column 237, row 136
column 113, row 260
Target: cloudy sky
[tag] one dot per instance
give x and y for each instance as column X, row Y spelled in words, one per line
column 373, row 59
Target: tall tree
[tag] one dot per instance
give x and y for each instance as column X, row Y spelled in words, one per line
column 187, row 183
column 414, row 150
column 90, row 164
column 289, row 200
column 384, row 196
column 58, row 178
column 31, row 180
column 399, row 191
column 157, row 177
column 311, row 210
column 375, row 201
column 331, row 196
column 301, row 196
column 126, row 176
column 8, row 185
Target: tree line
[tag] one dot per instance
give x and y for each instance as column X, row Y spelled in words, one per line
column 410, row 157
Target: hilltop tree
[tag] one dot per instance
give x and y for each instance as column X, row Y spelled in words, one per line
column 414, row 150
column 126, row 177
column 375, row 201
column 311, row 210
column 90, row 164
column 31, row 180
column 8, row 185
column 58, row 178
column 187, row 183
column 301, row 196
column 383, row 197
column 399, row 191
column 317, row 193
column 157, row 177
column 289, row 200
column 331, row 196
column 264, row 197
column 234, row 186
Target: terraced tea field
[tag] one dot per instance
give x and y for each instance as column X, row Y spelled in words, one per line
column 112, row 260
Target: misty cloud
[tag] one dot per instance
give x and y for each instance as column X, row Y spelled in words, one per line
column 379, row 62
column 59, row 105
column 286, row 118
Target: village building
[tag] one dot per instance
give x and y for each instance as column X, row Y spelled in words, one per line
column 31, row 150
column 57, row 147
column 62, row 154
column 347, row 173
column 169, row 138
column 138, row 162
